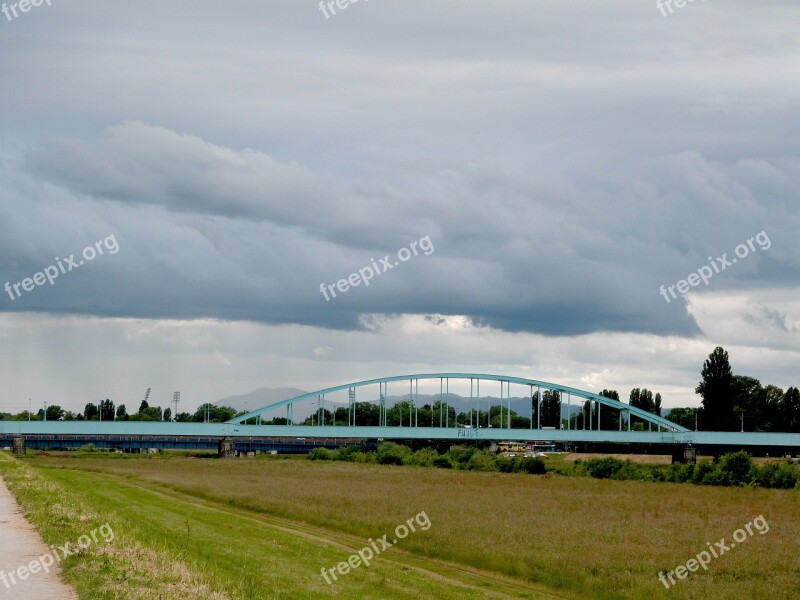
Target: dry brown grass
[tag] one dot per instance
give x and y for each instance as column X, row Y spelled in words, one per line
column 579, row 536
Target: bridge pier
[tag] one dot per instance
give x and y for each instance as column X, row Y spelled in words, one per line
column 18, row 445
column 227, row 448
column 684, row 454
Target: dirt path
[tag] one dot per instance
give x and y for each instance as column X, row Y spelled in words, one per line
column 19, row 545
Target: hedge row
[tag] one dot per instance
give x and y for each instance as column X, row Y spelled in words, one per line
column 735, row 469
column 458, row 457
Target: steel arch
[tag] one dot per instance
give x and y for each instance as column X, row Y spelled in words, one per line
column 644, row 415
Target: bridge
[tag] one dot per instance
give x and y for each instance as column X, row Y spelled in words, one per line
column 341, row 425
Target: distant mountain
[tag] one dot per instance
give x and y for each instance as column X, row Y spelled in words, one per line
column 264, row 396
column 258, row 398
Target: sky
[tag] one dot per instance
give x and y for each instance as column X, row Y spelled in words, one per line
column 222, row 169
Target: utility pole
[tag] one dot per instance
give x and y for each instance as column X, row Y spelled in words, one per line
column 175, row 398
column 45, row 410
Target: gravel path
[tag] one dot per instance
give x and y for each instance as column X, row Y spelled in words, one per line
column 19, row 545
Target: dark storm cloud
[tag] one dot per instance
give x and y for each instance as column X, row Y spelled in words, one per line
column 563, row 171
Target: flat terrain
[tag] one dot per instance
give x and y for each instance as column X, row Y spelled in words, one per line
column 263, row 528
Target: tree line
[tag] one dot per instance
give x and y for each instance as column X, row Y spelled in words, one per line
column 729, row 402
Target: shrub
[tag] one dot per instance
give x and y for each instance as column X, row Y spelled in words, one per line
column 782, row 475
column 442, row 462
column 461, row 454
column 701, row 469
column 737, row 468
column 390, row 453
column 531, row 465
column 680, row 473
column 505, row 464
column 347, row 454
column 484, row 461
column 319, row 454
column 715, row 477
column 423, row 458
column 630, row 471
column 602, row 468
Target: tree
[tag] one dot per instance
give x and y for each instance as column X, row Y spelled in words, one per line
column 167, row 414
column 55, row 412
column 609, row 418
column 750, row 398
column 122, row 413
column 143, row 406
column 91, row 412
column 551, row 409
column 657, row 405
column 790, row 411
column 682, row 416
column 718, row 392
column 107, row 410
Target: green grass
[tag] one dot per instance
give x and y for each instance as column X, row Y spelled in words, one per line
column 171, row 545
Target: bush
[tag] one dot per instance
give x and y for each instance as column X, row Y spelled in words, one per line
column 534, row 466
column 715, row 477
column 461, row 454
column 701, row 469
column 737, row 468
column 505, row 464
column 781, row 475
column 602, row 468
column 319, row 454
column 484, row 461
column 423, row 458
column 347, row 454
column 630, row 471
column 390, row 453
column 680, row 473
column 442, row 462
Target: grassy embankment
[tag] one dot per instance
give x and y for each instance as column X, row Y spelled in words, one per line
column 577, row 537
column 175, row 546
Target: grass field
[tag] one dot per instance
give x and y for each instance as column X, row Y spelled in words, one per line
column 263, row 528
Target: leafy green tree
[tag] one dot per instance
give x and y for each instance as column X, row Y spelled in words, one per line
column 122, row 413
column 551, row 409
column 55, row 413
column 682, row 416
column 717, row 391
column 790, row 411
column 91, row 412
column 609, row 418
column 107, row 410
column 167, row 414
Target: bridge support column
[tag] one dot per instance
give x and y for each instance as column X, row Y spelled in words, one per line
column 18, row 445
column 684, row 455
column 227, row 448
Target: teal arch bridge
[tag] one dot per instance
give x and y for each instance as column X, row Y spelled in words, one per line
column 249, row 431
column 478, row 424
